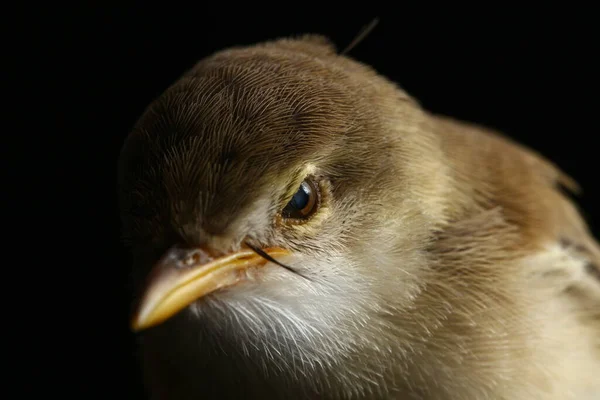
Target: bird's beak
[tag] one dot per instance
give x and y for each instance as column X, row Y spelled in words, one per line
column 185, row 275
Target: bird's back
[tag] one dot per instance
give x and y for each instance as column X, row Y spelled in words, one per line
column 514, row 243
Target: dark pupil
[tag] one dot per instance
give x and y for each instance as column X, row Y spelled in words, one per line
column 300, row 199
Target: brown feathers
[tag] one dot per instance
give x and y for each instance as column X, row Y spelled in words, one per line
column 445, row 262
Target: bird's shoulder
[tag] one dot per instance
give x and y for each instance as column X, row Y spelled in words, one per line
column 490, row 170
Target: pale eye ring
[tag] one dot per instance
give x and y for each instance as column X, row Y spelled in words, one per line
column 304, row 202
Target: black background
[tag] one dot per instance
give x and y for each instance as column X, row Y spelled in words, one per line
column 94, row 71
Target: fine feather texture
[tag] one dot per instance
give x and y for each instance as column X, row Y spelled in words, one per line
column 444, row 263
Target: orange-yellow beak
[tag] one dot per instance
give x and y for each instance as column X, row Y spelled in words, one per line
column 185, row 275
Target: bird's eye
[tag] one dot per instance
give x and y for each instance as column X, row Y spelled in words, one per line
column 304, row 202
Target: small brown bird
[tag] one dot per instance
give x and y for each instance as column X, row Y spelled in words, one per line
column 302, row 229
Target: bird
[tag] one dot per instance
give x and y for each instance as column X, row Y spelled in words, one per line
column 301, row 227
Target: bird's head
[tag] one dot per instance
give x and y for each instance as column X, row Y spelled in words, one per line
column 277, row 199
